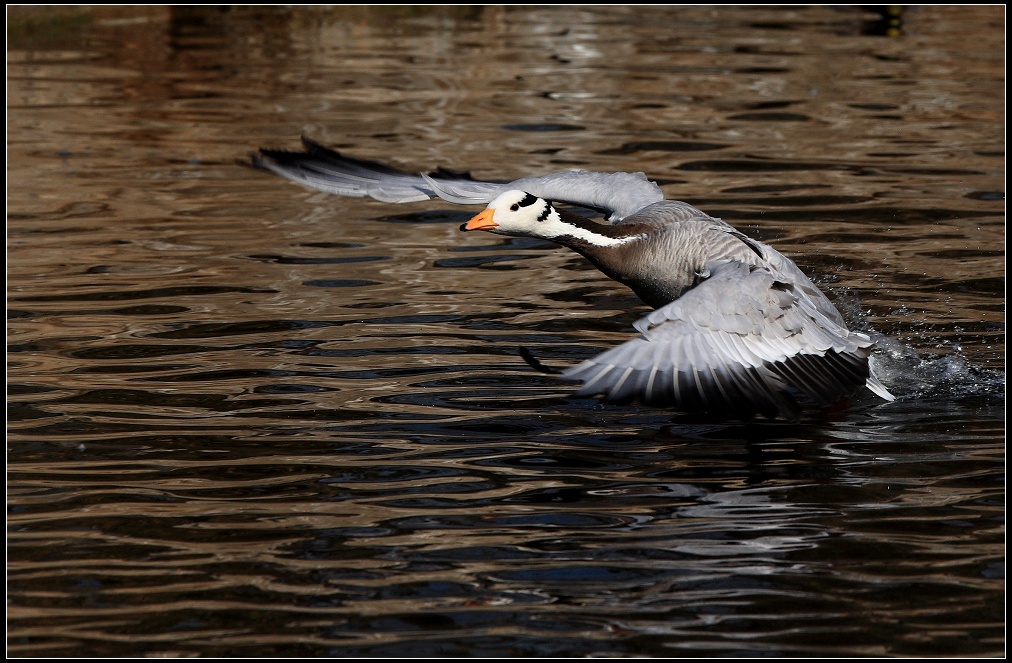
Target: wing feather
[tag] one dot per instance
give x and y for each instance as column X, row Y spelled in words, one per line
column 740, row 341
column 616, row 195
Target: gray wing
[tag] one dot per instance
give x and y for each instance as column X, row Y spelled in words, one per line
column 741, row 342
column 327, row 170
column 617, row 195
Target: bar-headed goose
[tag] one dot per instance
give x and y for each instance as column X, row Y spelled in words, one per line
column 737, row 329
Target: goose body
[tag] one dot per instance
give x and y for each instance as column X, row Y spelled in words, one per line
column 737, row 328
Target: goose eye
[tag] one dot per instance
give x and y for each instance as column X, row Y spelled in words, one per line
column 514, row 207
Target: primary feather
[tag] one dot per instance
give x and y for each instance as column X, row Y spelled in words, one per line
column 616, row 194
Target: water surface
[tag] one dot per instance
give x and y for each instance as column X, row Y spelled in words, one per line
column 249, row 419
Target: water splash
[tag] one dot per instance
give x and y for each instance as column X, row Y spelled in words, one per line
column 908, row 375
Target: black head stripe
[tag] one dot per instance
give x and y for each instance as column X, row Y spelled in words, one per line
column 528, row 199
column 545, row 212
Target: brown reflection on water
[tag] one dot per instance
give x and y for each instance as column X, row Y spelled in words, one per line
column 246, row 419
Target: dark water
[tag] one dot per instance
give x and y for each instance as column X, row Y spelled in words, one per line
column 248, row 419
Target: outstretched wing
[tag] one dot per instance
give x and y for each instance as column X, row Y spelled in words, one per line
column 617, row 195
column 327, row 170
column 741, row 342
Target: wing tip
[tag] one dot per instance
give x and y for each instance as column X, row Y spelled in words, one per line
column 879, row 389
column 753, row 393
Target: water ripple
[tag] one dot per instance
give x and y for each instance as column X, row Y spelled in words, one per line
column 250, row 420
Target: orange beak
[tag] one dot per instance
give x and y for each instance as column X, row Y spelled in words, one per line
column 481, row 222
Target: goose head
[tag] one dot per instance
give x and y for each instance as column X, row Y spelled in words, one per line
column 520, row 214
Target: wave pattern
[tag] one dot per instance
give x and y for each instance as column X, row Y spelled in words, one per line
column 248, row 420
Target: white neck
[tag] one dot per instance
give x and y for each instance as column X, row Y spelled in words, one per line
column 559, row 228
